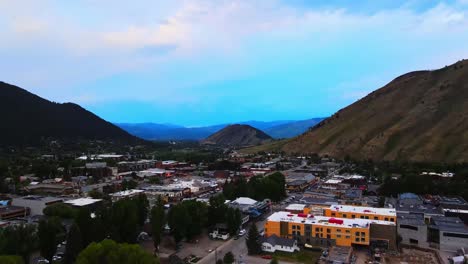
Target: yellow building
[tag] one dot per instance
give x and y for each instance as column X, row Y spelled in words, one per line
column 321, row 230
column 361, row 212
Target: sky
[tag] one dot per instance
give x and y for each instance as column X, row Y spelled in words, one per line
column 203, row 62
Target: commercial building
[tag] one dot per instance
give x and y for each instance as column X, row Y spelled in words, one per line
column 447, row 233
column 125, row 194
column 35, row 203
column 9, row 212
column 412, row 229
column 346, row 211
column 84, row 202
column 297, row 185
column 330, row 231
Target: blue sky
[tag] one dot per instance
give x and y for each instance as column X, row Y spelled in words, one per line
column 204, row 62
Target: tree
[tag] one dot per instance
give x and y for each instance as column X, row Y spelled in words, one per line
column 219, row 261
column 142, row 205
column 61, row 210
column 74, row 244
column 18, row 240
column 124, row 221
column 233, row 220
column 129, row 184
column 48, row 232
column 179, row 221
column 229, row 258
column 9, row 259
column 217, row 210
column 157, row 221
column 252, row 241
column 108, row 251
column 274, row 260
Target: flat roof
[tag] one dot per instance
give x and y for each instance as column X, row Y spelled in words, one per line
column 245, row 200
column 296, row 207
column 334, row 181
column 323, row 220
column 126, row 193
column 82, row 201
column 363, row 210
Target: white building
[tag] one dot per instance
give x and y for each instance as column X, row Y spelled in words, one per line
column 274, row 243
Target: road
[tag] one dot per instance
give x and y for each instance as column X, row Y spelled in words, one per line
column 238, row 248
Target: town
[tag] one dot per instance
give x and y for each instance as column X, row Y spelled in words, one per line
column 236, row 208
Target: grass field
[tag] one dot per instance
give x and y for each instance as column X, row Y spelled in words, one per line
column 304, row 256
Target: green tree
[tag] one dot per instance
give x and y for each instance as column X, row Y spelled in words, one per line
column 61, row 210
column 229, row 258
column 9, row 259
column 74, row 244
column 274, row 261
column 233, row 220
column 216, row 210
column 129, row 184
column 198, row 212
column 49, row 232
column 157, row 220
column 124, row 221
column 252, row 241
column 142, row 208
column 20, row 240
column 179, row 221
column 108, row 251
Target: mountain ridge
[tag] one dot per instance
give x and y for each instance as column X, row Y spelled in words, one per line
column 238, row 135
column 29, row 118
column 418, row 116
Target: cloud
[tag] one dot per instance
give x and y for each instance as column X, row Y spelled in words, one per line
column 177, row 49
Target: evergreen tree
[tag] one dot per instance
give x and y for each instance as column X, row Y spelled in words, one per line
column 233, row 220
column 74, row 244
column 157, row 222
column 48, row 232
column 252, row 241
column 228, row 258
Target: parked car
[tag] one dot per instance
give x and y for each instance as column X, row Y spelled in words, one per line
column 242, row 232
column 267, row 257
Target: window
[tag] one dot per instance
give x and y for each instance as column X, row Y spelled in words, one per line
column 347, row 231
column 357, row 233
column 328, row 236
column 353, row 216
column 357, row 239
column 363, row 239
column 413, row 241
column 328, row 230
column 376, row 218
column 392, row 219
column 455, row 235
column 293, row 227
column 363, row 234
column 362, row 217
column 386, row 218
column 415, row 228
column 367, row 217
column 344, row 215
column 348, row 237
column 338, row 236
column 317, row 229
column 333, row 214
column 298, row 227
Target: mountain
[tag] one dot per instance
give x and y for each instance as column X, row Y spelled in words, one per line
column 28, row 118
column 292, row 129
column 154, row 131
column 238, row 135
column 419, row 116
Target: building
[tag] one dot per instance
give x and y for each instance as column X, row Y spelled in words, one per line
column 10, row 212
column 347, row 211
column 412, row 229
column 125, row 194
column 447, row 233
column 35, row 203
column 275, row 243
column 330, row 231
column 341, row 255
column 295, row 208
column 84, row 202
column 297, row 186
column 49, row 189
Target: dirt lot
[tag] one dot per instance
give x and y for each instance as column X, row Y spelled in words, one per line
column 412, row 256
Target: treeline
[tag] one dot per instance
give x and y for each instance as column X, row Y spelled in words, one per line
column 120, row 221
column 269, row 187
column 188, row 219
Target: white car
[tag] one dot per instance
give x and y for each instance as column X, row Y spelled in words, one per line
column 242, row 232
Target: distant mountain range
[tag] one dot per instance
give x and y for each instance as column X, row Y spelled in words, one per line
column 419, row 116
column 28, row 119
column 238, row 135
column 276, row 129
